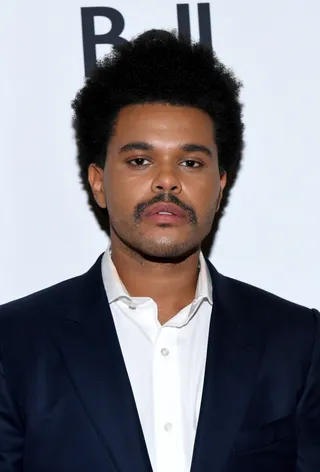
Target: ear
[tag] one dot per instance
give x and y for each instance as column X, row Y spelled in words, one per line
column 96, row 181
column 223, row 183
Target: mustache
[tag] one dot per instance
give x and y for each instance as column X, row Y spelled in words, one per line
column 166, row 198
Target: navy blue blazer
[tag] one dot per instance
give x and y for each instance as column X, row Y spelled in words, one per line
column 66, row 403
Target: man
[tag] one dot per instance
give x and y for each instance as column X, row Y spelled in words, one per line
column 152, row 360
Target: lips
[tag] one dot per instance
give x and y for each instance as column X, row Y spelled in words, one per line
column 167, row 208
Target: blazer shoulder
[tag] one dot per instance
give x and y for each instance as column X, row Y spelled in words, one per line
column 51, row 300
column 257, row 300
column 39, row 301
column 294, row 327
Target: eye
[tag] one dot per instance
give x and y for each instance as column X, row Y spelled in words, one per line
column 193, row 164
column 138, row 161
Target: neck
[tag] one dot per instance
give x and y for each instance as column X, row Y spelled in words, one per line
column 171, row 285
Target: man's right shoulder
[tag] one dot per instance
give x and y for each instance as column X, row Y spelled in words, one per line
column 48, row 298
column 49, row 301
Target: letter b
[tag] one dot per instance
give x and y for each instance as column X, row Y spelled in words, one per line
column 90, row 39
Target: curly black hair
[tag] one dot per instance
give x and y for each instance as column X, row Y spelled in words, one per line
column 157, row 66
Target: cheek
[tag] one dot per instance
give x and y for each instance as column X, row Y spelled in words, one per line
column 205, row 197
column 120, row 195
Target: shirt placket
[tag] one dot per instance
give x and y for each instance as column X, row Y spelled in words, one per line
column 167, row 403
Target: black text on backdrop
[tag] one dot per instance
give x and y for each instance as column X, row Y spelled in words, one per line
column 113, row 36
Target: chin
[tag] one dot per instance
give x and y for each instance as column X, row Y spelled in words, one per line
column 169, row 251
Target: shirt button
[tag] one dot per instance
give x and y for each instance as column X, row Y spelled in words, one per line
column 168, row 427
column 165, row 352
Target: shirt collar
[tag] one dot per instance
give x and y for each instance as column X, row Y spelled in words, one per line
column 116, row 290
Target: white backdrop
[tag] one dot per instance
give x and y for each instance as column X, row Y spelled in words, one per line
column 271, row 232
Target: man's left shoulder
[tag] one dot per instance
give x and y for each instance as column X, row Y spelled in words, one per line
column 262, row 303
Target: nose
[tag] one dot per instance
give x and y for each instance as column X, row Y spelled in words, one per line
column 166, row 180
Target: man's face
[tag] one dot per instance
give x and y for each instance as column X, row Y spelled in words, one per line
column 160, row 153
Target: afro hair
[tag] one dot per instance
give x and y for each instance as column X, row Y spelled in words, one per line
column 157, row 66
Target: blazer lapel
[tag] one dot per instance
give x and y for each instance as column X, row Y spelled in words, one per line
column 86, row 337
column 235, row 349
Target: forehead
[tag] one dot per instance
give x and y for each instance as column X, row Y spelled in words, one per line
column 163, row 121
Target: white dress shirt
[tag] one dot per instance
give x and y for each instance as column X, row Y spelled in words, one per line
column 165, row 365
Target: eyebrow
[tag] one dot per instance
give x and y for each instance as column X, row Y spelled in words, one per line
column 143, row 146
